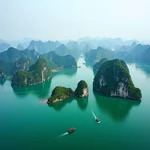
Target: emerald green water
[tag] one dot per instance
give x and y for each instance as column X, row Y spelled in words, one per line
column 26, row 123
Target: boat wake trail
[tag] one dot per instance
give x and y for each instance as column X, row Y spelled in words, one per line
column 94, row 114
column 66, row 133
column 97, row 120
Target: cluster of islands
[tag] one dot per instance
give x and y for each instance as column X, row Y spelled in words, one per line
column 36, row 64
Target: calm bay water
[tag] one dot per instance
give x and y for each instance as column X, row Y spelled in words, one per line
column 27, row 123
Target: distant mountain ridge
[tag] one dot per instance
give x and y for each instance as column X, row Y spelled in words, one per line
column 136, row 53
column 4, row 46
column 20, row 47
column 61, row 61
column 13, row 54
column 109, row 43
column 95, row 55
column 43, row 47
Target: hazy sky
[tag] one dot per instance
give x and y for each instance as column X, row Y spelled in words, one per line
column 72, row 19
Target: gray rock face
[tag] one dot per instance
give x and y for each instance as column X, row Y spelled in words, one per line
column 85, row 92
column 82, row 89
column 102, row 81
column 2, row 75
column 121, row 91
column 37, row 73
column 113, row 79
column 22, row 64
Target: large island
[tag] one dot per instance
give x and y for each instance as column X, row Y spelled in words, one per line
column 38, row 73
column 113, row 79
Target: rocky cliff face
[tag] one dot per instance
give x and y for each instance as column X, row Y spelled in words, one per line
column 22, row 64
column 2, row 75
column 82, row 89
column 85, row 92
column 39, row 72
column 113, row 79
column 121, row 90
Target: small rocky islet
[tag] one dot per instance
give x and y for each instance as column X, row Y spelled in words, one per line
column 61, row 93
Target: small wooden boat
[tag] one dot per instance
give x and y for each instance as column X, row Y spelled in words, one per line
column 97, row 120
column 71, row 130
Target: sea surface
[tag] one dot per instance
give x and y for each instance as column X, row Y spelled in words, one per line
column 28, row 123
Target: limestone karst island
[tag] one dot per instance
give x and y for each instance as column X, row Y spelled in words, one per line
column 113, row 79
column 61, row 93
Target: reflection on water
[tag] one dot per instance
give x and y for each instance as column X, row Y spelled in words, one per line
column 82, row 103
column 2, row 81
column 116, row 108
column 67, row 72
column 40, row 90
column 141, row 66
column 58, row 106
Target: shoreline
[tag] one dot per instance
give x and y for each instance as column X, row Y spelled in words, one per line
column 56, row 70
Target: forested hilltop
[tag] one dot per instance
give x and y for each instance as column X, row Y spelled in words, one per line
column 60, row 93
column 38, row 72
column 113, row 79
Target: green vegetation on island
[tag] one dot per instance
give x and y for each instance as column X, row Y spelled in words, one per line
column 113, row 79
column 39, row 72
column 22, row 64
column 98, row 64
column 60, row 93
column 14, row 60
